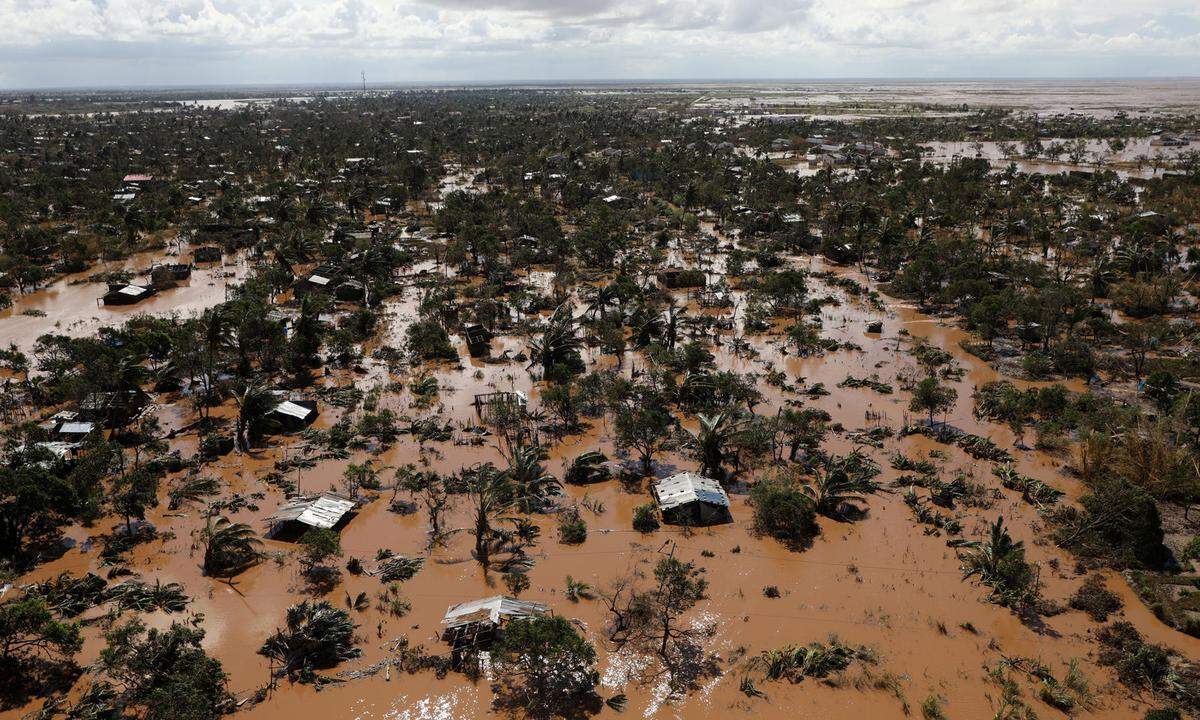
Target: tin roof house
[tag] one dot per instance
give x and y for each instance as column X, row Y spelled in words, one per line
column 295, row 415
column 325, row 511
column 691, row 499
column 478, row 622
column 120, row 294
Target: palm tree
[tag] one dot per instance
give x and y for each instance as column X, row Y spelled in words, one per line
column 710, row 442
column 999, row 562
column 317, row 635
column 229, row 547
column 214, row 338
column 558, row 344
column 255, row 402
column 599, row 300
column 492, row 497
column 530, row 482
column 647, row 325
column 842, row 480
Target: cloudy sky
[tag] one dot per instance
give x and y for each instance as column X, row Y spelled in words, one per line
column 185, row 42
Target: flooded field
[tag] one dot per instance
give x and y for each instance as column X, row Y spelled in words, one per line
column 1098, row 98
column 877, row 581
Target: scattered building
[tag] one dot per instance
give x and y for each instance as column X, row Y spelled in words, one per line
column 126, row 294
column 478, row 340
column 73, row 432
column 323, row 512
column 207, row 254
column 295, row 415
column 478, row 622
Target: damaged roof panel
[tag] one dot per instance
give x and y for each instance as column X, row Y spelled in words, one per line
column 321, row 511
column 491, row 610
column 687, row 487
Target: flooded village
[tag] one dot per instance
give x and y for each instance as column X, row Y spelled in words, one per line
column 662, row 401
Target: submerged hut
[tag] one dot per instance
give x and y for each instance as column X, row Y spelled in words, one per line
column 351, row 291
column 323, row 512
column 126, row 294
column 691, row 499
column 112, row 409
column 478, row 340
column 674, row 278
column 295, row 415
column 207, row 254
column 479, row 622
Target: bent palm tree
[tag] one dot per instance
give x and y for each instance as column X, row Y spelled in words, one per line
column 710, row 442
column 255, row 403
column 229, row 547
column 317, row 635
column 558, row 344
column 530, row 482
column 841, row 481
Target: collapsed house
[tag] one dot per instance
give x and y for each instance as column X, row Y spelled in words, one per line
column 300, row 514
column 351, row 291
column 478, row 622
column 165, row 276
column 60, row 451
column 484, row 401
column 691, row 499
column 113, row 409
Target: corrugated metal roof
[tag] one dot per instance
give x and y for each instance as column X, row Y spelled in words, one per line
column 76, row 428
column 59, row 448
column 689, row 487
column 133, row 290
column 321, row 511
column 491, row 610
column 287, row 407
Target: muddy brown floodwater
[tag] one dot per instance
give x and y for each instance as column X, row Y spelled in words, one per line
column 71, row 305
column 879, row 582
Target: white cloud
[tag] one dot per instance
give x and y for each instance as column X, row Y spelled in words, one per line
column 88, row 41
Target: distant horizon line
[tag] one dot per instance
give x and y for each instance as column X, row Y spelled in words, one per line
column 605, row 82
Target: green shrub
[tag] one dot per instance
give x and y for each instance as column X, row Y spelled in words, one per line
column 1037, row 365
column 645, row 518
column 1191, row 551
column 428, row 340
column 1095, row 599
column 572, row 530
column 783, row 510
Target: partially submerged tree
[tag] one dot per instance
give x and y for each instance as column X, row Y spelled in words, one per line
column 783, row 510
column 316, row 636
column 164, row 674
column 545, row 667
column 999, row 562
column 652, row 616
column 229, row 547
column 932, row 397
